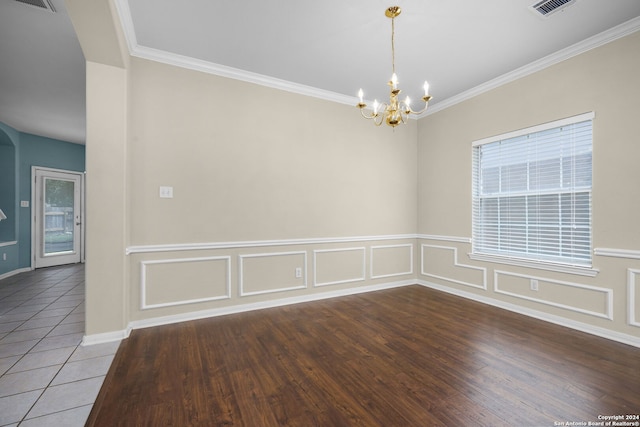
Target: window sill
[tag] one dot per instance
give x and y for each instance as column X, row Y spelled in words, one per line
column 541, row 265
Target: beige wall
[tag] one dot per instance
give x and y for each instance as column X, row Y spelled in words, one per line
column 248, row 162
column 106, row 201
column 603, row 80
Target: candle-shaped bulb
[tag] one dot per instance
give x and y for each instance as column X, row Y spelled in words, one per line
column 375, row 106
column 407, row 103
column 394, row 81
column 426, row 88
column 360, row 95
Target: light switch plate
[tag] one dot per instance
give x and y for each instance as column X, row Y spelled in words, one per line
column 166, row 192
column 24, row 203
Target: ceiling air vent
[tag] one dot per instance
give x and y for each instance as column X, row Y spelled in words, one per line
column 40, row 4
column 548, row 7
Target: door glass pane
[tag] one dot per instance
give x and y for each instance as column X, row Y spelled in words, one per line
column 58, row 216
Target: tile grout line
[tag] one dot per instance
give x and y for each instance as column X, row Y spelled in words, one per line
column 24, row 417
column 70, row 287
column 40, row 339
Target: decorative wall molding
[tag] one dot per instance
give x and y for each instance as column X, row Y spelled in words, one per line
column 606, row 291
column 539, row 265
column 260, row 243
column 400, row 273
column 558, row 320
column 617, row 253
column 632, row 295
column 336, row 282
column 483, row 286
column 241, row 259
column 143, row 281
column 444, row 238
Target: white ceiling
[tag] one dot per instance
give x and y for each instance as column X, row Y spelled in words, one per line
column 42, row 72
column 328, row 49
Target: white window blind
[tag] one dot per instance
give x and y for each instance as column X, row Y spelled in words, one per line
column 532, row 193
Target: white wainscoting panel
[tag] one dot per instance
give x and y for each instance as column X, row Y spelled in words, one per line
column 270, row 272
column 335, row 266
column 633, row 294
column 391, row 260
column 170, row 282
column 454, row 261
column 580, row 290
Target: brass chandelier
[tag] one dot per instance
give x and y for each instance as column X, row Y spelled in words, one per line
column 395, row 112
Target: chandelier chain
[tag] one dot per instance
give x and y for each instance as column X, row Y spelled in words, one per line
column 393, row 46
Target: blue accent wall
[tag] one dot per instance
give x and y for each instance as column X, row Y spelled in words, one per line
column 7, row 192
column 31, row 150
column 8, row 182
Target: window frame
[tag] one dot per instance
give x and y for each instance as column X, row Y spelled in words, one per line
column 525, row 261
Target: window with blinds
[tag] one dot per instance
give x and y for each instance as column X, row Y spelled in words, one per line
column 532, row 193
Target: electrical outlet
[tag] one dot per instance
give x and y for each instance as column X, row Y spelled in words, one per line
column 534, row 285
column 298, row 273
column 166, row 192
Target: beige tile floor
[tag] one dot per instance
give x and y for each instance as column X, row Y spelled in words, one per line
column 46, row 377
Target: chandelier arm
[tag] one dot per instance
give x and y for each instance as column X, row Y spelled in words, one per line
column 425, row 99
column 382, row 107
column 382, row 111
column 365, row 116
column 426, row 105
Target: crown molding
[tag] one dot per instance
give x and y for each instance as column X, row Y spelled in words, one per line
column 122, row 6
column 124, row 13
column 598, row 40
column 237, row 74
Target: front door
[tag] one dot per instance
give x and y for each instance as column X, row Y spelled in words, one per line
column 57, row 217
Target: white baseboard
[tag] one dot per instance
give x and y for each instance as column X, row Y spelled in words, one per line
column 572, row 324
column 195, row 315
column 14, row 272
column 105, row 337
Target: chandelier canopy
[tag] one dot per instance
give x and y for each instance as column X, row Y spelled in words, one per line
column 395, row 112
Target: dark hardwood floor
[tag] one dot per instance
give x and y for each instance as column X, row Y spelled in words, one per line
column 409, row 356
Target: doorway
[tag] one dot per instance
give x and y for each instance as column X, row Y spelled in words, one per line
column 58, row 200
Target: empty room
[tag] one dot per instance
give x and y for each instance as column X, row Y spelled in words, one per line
column 269, row 246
